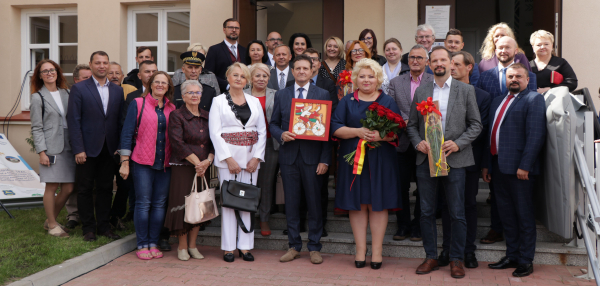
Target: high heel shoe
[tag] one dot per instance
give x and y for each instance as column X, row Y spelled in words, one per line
column 376, row 265
column 360, row 264
column 228, row 257
column 246, row 256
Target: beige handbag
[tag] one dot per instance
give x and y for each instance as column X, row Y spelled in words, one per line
column 200, row 206
column 279, row 194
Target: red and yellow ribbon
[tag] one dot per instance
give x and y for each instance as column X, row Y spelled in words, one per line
column 359, row 158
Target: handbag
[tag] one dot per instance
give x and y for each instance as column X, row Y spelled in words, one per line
column 200, row 206
column 241, row 197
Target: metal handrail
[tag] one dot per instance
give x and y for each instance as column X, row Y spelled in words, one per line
column 586, row 178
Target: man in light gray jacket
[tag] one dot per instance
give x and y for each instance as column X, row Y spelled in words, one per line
column 461, row 124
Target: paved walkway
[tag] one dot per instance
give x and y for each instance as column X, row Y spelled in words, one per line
column 337, row 269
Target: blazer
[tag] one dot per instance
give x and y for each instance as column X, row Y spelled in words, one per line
column 326, row 84
column 489, row 81
column 208, row 94
column 311, row 151
column 558, row 65
column 522, row 133
column 48, row 131
column 399, row 90
column 221, row 119
column 274, row 78
column 463, row 123
column 483, row 102
column 269, row 102
column 89, row 127
column 218, row 59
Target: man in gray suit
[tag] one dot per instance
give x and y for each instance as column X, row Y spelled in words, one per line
column 402, row 90
column 461, row 124
column 282, row 72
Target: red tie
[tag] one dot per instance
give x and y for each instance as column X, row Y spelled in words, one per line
column 493, row 147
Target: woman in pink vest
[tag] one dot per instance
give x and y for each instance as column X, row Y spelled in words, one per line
column 144, row 138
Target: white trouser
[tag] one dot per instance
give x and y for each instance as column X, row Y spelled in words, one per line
column 229, row 227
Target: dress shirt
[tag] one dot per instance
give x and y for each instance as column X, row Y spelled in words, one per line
column 501, row 119
column 103, row 91
column 304, row 92
column 286, row 71
column 58, row 101
column 414, row 84
column 314, row 79
column 500, row 67
column 442, row 94
column 271, row 61
column 229, row 47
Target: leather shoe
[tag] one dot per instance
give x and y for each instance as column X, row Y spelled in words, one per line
column 90, row 236
column 285, row 232
column 427, row 266
column 228, row 257
column 444, row 258
column 401, row 234
column 110, row 235
column 492, row 237
column 163, row 245
column 360, row 264
column 71, row 224
column 376, row 265
column 325, row 234
column 504, row 263
column 246, row 256
column 523, row 270
column 456, row 269
column 471, row 260
column 315, row 257
column 290, row 255
column 416, row 235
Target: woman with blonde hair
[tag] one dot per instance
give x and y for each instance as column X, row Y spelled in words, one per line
column 551, row 71
column 488, row 48
column 333, row 63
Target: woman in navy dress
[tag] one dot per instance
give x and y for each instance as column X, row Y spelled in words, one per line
column 367, row 196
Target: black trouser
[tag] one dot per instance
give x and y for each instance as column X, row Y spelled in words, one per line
column 471, row 190
column 324, row 200
column 99, row 172
column 407, row 161
column 119, row 205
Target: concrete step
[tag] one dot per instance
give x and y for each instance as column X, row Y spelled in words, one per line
column 553, row 253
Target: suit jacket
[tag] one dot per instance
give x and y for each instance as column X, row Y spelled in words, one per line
column 269, row 102
column 48, row 131
column 89, row 127
column 483, row 102
column 311, row 151
column 463, row 123
column 326, row 84
column 490, row 82
column 208, row 93
column 399, row 90
column 218, row 59
column 522, row 133
column 274, row 79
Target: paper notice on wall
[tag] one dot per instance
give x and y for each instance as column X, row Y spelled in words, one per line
column 17, row 179
column 438, row 17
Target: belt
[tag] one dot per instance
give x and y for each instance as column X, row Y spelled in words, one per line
column 246, row 138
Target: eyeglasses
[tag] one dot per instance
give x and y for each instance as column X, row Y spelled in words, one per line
column 232, row 28
column 357, row 51
column 45, row 72
column 424, row 37
column 156, row 82
column 412, row 58
column 366, row 38
column 275, row 39
column 194, row 93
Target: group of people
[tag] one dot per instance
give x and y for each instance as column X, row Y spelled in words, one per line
column 230, row 107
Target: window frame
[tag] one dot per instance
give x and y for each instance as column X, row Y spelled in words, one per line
column 162, row 42
column 53, row 46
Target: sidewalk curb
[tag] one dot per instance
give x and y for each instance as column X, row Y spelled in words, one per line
column 77, row 266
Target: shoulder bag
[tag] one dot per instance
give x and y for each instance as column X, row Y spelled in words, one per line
column 241, row 197
column 200, row 206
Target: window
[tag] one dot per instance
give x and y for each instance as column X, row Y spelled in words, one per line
column 166, row 30
column 51, row 35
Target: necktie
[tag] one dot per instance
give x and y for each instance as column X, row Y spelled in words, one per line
column 300, row 90
column 282, row 80
column 493, row 147
column 233, row 51
column 503, row 82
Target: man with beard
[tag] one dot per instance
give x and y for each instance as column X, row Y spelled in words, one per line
column 224, row 54
column 461, row 125
column 142, row 54
column 517, row 137
column 494, row 82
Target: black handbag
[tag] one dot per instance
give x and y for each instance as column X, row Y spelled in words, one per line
column 241, row 197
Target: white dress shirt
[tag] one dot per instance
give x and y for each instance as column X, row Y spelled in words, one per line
column 442, row 94
column 500, row 67
column 304, row 92
column 103, row 91
column 501, row 119
column 271, row 61
column 229, row 47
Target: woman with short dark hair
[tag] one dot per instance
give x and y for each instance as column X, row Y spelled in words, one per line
column 256, row 53
column 369, row 38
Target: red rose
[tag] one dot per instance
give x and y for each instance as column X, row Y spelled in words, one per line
column 380, row 112
column 373, row 106
column 390, row 134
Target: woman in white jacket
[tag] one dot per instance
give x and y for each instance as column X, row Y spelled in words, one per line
column 238, row 132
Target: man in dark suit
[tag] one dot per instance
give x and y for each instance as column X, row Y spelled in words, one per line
column 402, row 89
column 494, row 82
column 147, row 69
column 192, row 67
column 302, row 162
column 462, row 70
column 142, row 54
column 224, row 54
column 461, row 125
column 282, row 74
column 93, row 119
column 518, row 132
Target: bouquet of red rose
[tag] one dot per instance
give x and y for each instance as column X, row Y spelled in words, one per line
column 381, row 119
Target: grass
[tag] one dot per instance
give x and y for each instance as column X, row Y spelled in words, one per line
column 26, row 248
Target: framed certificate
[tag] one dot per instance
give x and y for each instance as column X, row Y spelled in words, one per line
column 310, row 119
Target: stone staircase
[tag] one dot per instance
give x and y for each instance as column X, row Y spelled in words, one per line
column 550, row 248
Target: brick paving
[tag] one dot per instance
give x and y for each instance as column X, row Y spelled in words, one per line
column 337, row 269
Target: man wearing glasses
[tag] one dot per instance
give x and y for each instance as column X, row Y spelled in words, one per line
column 273, row 40
column 192, row 67
column 424, row 36
column 402, row 89
column 224, row 54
